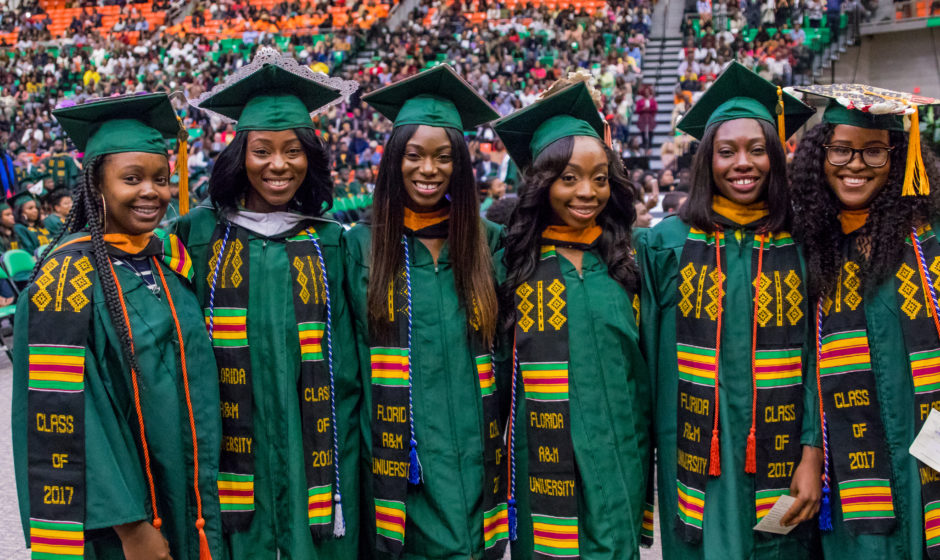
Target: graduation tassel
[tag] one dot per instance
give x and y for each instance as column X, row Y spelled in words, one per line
column 339, row 522
column 513, row 520
column 750, row 460
column 915, row 174
column 204, row 553
column 714, row 456
column 182, row 166
column 825, row 507
column 781, row 123
column 414, row 465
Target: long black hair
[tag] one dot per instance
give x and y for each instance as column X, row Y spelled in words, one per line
column 469, row 252
column 697, row 210
column 890, row 218
column 88, row 216
column 534, row 213
column 228, row 184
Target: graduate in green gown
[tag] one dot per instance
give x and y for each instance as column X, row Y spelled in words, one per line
column 115, row 400
column 867, row 220
column 421, row 284
column 269, row 275
column 61, row 203
column 726, row 325
column 8, row 238
column 29, row 228
column 580, row 440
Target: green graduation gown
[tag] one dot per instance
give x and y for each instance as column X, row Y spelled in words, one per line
column 609, row 396
column 280, row 520
column 115, row 480
column 729, row 505
column 53, row 223
column 445, row 514
column 895, row 389
column 31, row 238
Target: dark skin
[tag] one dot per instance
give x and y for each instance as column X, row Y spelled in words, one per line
column 135, row 189
column 276, row 165
column 426, row 169
column 142, row 541
column 581, row 192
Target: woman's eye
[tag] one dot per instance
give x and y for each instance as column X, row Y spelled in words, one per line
column 444, row 157
column 759, row 151
column 260, row 153
column 601, row 179
column 131, row 179
column 569, row 178
column 412, row 156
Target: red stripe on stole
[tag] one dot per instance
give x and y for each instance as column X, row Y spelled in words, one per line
column 57, row 542
column 56, row 368
column 389, row 518
column 691, row 506
column 311, row 339
column 180, row 252
column 918, row 371
column 867, row 500
column 229, row 328
column 236, row 493
column 696, row 364
column 845, row 352
column 554, row 535
column 495, row 522
column 320, row 504
column 777, row 369
column 543, row 381
column 932, row 523
column 388, row 365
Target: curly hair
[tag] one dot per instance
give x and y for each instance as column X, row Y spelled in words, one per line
column 533, row 214
column 891, row 216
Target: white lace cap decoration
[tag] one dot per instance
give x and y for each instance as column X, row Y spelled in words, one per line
column 268, row 55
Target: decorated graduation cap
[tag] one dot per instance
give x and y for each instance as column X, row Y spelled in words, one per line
column 130, row 123
column 273, row 92
column 739, row 93
column 133, row 123
column 880, row 109
column 568, row 112
column 435, row 97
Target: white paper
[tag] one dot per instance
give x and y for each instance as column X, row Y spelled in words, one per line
column 926, row 446
column 771, row 522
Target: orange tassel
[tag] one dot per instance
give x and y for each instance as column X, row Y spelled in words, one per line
column 714, row 459
column 204, row 553
column 750, row 461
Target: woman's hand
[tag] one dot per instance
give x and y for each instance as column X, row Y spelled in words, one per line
column 143, row 541
column 806, row 487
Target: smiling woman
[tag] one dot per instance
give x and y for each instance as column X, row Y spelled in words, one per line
column 568, row 258
column 111, row 355
column 725, row 328
column 871, row 252
column 420, row 279
column 270, row 275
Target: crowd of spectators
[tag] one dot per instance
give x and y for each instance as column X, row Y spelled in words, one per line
column 509, row 53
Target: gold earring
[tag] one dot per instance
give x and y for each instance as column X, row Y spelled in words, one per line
column 104, row 214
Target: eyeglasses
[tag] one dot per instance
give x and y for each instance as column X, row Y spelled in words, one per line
column 875, row 156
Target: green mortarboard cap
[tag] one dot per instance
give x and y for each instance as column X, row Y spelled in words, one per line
column 435, row 97
column 881, row 109
column 739, row 93
column 20, row 198
column 3, row 206
column 569, row 112
column 274, row 92
column 133, row 123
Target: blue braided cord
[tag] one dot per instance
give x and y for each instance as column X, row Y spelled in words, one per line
column 338, row 496
column 215, row 277
column 414, row 470
column 512, row 445
column 923, row 266
column 825, row 509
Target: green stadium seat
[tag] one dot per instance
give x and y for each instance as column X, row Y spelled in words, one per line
column 18, row 264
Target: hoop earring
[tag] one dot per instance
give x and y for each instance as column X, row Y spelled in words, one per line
column 104, row 215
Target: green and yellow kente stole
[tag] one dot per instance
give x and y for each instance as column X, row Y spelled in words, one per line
column 855, row 434
column 59, row 318
column 395, row 435
column 226, row 319
column 777, row 336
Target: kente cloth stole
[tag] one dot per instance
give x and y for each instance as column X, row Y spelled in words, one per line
column 918, row 283
column 395, row 462
column 851, row 411
column 777, row 336
column 542, row 356
column 42, row 234
column 226, row 315
column 59, row 318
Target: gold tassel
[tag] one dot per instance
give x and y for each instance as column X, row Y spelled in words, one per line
column 781, row 123
column 915, row 174
column 182, row 167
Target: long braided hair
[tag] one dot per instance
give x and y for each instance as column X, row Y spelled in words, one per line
column 87, row 215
